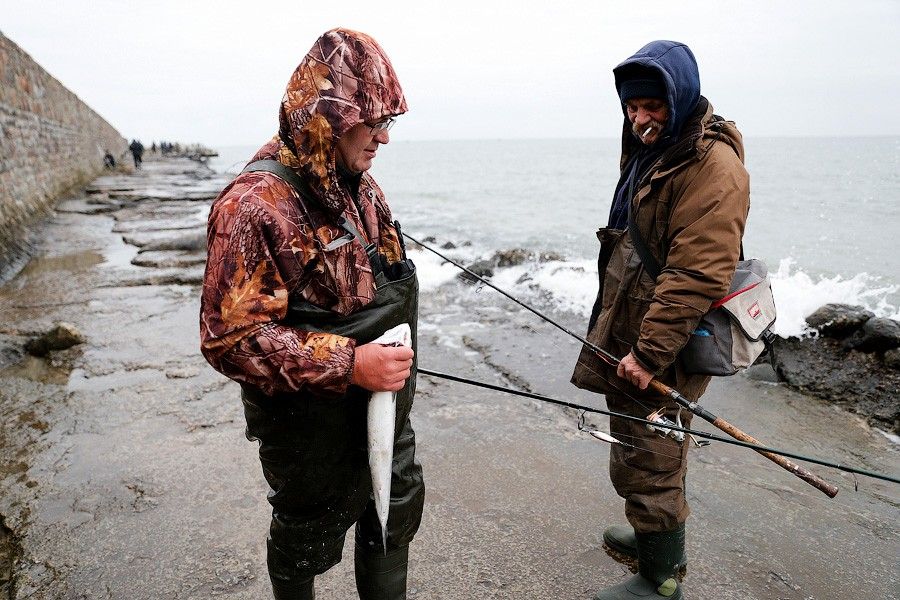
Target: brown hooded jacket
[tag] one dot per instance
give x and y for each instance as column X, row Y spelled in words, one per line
column 690, row 208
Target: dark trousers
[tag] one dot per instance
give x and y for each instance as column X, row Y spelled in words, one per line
column 651, row 476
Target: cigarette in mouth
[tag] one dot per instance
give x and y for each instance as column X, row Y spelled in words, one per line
column 646, row 131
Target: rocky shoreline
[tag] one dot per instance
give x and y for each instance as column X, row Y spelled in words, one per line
column 125, row 473
column 852, row 359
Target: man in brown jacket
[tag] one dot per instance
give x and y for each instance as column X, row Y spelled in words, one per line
column 684, row 195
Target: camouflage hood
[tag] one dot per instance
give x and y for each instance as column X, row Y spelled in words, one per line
column 345, row 79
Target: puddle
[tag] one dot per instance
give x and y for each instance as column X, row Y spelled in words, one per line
column 79, row 261
column 118, row 253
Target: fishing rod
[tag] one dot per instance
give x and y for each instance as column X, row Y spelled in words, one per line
column 658, row 386
column 703, row 434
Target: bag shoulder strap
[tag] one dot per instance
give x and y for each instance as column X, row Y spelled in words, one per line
column 650, row 263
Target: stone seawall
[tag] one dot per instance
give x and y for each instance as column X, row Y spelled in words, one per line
column 49, row 141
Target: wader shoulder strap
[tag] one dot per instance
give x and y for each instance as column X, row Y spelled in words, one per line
column 351, row 229
column 288, row 175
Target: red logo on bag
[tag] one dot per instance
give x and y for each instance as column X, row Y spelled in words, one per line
column 754, row 311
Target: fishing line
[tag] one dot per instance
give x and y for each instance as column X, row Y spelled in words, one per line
column 657, row 441
column 814, row 480
column 620, row 385
column 693, row 406
column 703, row 434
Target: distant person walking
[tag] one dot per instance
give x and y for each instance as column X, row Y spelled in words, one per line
column 306, row 269
column 681, row 203
column 137, row 152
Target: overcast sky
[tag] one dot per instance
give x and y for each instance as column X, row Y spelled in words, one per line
column 214, row 71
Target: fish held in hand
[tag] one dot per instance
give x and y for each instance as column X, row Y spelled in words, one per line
column 382, row 415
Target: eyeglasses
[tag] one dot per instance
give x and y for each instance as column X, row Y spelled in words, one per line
column 382, row 125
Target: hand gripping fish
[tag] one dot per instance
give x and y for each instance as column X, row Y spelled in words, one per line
column 381, row 418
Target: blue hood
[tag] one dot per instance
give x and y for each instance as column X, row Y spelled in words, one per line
column 677, row 67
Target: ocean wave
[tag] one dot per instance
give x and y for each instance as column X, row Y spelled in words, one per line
column 798, row 294
column 571, row 285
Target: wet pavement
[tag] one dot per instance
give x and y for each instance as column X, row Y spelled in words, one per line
column 124, row 472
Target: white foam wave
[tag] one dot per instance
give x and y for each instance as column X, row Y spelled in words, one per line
column 432, row 271
column 572, row 286
column 797, row 295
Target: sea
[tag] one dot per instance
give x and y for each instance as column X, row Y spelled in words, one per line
column 824, row 214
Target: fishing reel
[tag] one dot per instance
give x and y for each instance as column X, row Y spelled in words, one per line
column 659, row 423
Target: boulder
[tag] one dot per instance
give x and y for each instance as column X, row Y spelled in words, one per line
column 892, row 359
column 838, row 320
column 482, row 268
column 550, row 256
column 448, row 245
column 60, row 337
column 511, row 257
column 877, row 335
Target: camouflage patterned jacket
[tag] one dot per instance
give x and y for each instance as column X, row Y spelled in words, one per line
column 266, row 246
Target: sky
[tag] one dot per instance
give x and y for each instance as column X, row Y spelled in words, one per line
column 214, row 72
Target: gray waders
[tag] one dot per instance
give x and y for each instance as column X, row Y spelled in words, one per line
column 314, row 450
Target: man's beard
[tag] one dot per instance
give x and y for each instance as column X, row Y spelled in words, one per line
column 653, row 126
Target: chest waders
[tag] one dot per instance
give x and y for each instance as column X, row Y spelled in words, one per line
column 314, row 450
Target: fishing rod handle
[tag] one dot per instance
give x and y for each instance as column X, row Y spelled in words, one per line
column 786, row 464
column 813, row 480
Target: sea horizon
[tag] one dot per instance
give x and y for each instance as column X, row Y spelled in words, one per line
column 823, row 212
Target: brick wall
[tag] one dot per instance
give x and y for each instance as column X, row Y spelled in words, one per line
column 49, row 141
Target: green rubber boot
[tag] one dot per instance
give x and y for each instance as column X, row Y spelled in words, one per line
column 381, row 576
column 621, row 539
column 658, row 555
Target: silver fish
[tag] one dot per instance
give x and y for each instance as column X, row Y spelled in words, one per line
column 382, row 415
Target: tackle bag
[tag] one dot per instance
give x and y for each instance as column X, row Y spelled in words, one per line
column 737, row 329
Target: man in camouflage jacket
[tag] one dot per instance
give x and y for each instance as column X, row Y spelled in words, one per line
column 272, row 249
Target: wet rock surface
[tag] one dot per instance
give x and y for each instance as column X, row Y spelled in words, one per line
column 125, row 472
column 851, row 363
column 838, row 320
column 876, row 335
column 860, row 382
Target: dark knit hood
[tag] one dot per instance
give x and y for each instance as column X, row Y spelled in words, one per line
column 675, row 65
